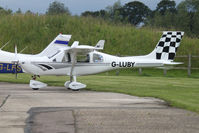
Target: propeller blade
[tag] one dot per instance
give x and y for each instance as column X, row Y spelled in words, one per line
column 23, row 49
column 16, row 62
column 15, row 49
column 16, row 72
column 5, row 45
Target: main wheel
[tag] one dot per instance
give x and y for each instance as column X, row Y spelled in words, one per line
column 75, row 89
column 35, row 89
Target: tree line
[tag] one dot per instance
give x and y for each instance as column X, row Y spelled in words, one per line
column 54, row 8
column 167, row 15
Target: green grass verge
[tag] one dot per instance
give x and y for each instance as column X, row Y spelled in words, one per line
column 181, row 92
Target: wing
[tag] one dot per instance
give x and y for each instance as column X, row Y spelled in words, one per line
column 77, row 49
column 85, row 48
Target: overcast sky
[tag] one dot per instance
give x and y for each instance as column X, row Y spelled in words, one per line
column 76, row 7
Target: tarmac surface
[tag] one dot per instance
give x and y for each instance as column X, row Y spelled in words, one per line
column 57, row 110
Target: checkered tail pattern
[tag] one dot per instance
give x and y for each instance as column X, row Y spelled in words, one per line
column 168, row 45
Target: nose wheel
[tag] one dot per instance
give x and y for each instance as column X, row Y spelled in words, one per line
column 35, row 89
column 36, row 85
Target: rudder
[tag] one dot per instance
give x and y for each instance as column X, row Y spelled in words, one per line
column 167, row 46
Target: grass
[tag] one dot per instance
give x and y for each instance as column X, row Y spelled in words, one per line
column 37, row 31
column 181, row 92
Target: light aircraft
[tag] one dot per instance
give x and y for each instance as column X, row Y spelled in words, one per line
column 60, row 59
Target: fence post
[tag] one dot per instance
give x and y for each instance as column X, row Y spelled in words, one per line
column 140, row 71
column 117, row 72
column 189, row 65
column 165, row 71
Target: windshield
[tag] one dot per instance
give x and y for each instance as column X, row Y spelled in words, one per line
column 54, row 54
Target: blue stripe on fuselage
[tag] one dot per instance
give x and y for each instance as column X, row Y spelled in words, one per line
column 9, row 68
column 61, row 42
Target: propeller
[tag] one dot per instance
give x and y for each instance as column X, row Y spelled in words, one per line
column 16, row 62
column 5, row 45
column 23, row 50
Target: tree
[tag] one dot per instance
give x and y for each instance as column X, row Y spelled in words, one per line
column 5, row 11
column 188, row 10
column 114, row 10
column 189, row 6
column 19, row 11
column 57, row 8
column 111, row 12
column 101, row 13
column 29, row 12
column 87, row 13
column 165, row 6
column 135, row 12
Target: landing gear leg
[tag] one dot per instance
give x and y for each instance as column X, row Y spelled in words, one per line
column 73, row 84
column 34, row 77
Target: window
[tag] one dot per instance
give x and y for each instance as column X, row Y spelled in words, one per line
column 97, row 58
column 83, row 58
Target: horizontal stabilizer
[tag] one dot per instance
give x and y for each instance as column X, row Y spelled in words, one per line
column 100, row 45
column 166, row 67
column 173, row 63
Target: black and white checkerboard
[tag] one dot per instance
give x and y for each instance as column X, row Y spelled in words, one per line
column 168, row 45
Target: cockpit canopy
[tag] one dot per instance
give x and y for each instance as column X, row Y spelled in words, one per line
column 81, row 58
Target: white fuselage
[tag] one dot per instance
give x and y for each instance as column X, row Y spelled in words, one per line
column 96, row 62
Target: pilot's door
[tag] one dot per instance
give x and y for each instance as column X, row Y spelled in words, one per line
column 83, row 58
column 80, row 58
column 66, row 58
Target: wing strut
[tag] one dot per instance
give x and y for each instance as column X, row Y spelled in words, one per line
column 74, row 60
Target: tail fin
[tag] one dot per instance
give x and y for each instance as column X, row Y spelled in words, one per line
column 59, row 42
column 100, row 45
column 167, row 46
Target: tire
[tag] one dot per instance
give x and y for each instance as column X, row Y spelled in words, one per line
column 35, row 89
column 75, row 90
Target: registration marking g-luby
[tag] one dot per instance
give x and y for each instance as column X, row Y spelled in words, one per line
column 122, row 64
